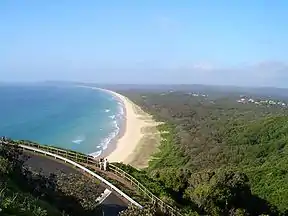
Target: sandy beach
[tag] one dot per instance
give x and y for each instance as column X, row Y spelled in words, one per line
column 139, row 137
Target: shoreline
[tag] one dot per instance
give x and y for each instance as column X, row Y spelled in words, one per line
column 125, row 146
column 112, row 145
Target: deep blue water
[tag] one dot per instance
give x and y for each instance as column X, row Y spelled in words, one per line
column 80, row 119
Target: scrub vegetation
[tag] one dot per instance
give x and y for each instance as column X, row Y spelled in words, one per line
column 220, row 157
column 26, row 192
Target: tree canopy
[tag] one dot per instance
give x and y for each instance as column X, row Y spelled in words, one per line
column 219, row 156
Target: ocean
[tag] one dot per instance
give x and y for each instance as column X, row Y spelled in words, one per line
column 80, row 119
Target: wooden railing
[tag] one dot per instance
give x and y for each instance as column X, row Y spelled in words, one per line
column 154, row 199
column 87, row 161
column 82, row 168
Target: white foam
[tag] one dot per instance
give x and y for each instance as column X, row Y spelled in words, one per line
column 112, row 98
column 112, row 116
column 105, row 142
column 79, row 140
column 96, row 154
column 112, row 135
column 117, row 118
column 121, row 110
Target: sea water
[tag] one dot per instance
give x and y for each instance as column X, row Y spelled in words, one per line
column 75, row 118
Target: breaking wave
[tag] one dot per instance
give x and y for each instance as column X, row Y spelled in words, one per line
column 79, row 140
column 115, row 125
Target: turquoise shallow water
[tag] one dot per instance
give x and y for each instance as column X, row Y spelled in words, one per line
column 80, row 119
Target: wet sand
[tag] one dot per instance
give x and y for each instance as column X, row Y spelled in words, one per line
column 138, row 137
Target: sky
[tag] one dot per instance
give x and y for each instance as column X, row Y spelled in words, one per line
column 239, row 42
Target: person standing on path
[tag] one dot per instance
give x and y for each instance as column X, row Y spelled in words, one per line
column 105, row 164
column 101, row 163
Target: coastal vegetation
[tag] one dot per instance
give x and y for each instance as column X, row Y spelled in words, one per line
column 76, row 186
column 26, row 192
column 217, row 157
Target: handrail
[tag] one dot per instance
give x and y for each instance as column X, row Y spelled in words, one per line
column 84, row 169
column 129, row 177
column 89, row 160
column 136, row 183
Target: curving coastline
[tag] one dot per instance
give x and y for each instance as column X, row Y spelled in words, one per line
column 129, row 145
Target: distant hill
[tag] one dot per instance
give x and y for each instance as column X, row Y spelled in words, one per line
column 221, row 90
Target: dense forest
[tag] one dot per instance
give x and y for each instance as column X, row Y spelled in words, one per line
column 217, row 156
